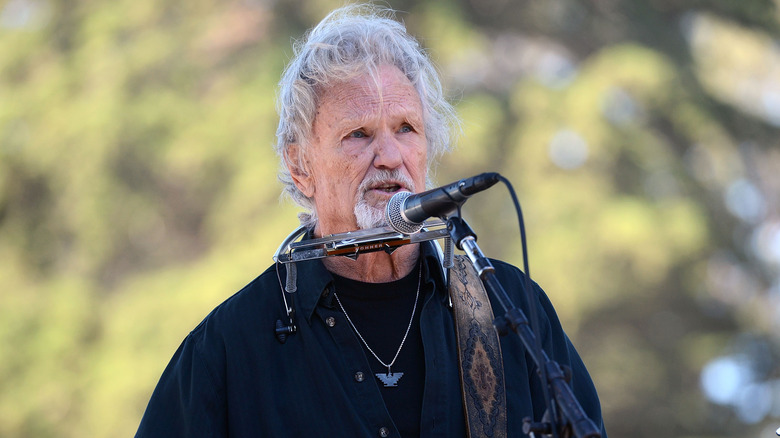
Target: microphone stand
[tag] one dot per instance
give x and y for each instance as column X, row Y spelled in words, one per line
column 574, row 422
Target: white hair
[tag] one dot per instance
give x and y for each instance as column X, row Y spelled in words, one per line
column 349, row 42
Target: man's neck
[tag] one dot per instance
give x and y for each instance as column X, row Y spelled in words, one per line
column 376, row 267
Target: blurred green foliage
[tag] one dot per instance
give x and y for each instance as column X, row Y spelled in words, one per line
column 138, row 190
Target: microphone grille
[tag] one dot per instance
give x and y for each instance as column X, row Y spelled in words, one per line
column 394, row 215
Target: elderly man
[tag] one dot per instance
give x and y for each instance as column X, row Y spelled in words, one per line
column 361, row 116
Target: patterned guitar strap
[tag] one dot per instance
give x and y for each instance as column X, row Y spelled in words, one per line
column 481, row 365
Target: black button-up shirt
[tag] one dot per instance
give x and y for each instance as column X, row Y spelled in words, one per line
column 232, row 377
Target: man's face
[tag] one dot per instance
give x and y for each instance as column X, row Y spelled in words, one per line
column 368, row 143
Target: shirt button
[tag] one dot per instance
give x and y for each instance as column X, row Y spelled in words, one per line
column 384, row 432
column 359, row 376
column 331, row 321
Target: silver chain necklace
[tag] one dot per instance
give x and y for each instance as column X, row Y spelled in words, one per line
column 390, row 379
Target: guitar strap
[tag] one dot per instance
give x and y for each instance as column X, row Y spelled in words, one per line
column 481, row 365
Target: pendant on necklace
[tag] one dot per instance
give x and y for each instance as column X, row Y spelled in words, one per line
column 390, row 379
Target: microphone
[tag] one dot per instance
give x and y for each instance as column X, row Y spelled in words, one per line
column 406, row 212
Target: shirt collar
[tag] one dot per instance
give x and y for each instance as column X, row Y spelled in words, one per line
column 314, row 279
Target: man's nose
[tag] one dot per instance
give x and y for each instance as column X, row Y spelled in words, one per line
column 387, row 151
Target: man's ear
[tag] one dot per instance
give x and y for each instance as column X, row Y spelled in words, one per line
column 294, row 158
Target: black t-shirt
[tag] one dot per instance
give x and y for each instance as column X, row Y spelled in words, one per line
column 381, row 314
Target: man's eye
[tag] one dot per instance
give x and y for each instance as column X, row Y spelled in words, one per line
column 405, row 129
column 357, row 134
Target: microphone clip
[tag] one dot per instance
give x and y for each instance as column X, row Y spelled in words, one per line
column 282, row 331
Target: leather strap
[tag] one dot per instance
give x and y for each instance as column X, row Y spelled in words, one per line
column 481, row 364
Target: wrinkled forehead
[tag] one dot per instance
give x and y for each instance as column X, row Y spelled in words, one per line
column 383, row 89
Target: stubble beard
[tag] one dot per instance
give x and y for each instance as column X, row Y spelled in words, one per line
column 373, row 216
column 368, row 216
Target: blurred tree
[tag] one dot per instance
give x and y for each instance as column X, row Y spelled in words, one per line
column 135, row 160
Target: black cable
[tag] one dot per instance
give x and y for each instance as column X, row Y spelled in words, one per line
column 532, row 308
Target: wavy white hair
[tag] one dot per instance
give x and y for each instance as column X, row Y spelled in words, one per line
column 349, row 42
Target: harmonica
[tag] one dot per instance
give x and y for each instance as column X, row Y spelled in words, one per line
column 353, row 243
